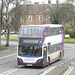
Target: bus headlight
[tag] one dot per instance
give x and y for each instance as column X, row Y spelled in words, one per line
column 38, row 61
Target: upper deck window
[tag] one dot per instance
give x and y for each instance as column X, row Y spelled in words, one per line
column 31, row 31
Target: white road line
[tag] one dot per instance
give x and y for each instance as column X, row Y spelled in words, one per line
column 68, row 71
column 50, row 69
column 6, row 72
column 65, row 61
column 9, row 72
column 68, row 59
column 62, row 63
column 73, row 56
column 8, row 56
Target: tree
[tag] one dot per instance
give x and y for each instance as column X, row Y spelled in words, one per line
column 61, row 13
column 5, row 14
column 19, row 11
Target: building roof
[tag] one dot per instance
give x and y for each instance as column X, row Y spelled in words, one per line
column 36, row 8
column 30, row 8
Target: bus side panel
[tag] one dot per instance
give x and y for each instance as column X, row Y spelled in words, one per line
column 55, row 40
column 54, row 56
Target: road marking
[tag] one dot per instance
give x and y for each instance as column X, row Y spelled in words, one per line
column 68, row 59
column 68, row 71
column 50, row 69
column 71, row 58
column 60, row 65
column 9, row 72
column 8, row 56
column 65, row 61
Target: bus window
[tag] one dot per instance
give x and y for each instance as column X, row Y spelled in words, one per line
column 23, row 50
column 20, row 50
column 37, row 51
column 31, row 32
column 32, row 51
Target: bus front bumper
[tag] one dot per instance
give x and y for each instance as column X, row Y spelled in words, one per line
column 38, row 63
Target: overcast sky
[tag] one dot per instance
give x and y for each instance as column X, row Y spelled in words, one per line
column 46, row 1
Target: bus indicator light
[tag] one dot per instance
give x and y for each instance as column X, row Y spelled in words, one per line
column 31, row 47
column 44, row 49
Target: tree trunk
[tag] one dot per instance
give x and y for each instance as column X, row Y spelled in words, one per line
column 0, row 29
column 7, row 24
column 8, row 32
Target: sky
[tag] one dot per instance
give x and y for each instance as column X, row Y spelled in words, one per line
column 46, row 1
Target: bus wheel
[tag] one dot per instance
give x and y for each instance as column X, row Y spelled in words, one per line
column 48, row 60
column 60, row 56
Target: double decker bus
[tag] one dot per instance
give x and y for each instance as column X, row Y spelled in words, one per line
column 40, row 45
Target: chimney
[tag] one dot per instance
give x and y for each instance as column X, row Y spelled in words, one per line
column 36, row 2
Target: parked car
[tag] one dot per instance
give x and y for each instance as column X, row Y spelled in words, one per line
column 2, row 32
column 12, row 32
column 67, row 36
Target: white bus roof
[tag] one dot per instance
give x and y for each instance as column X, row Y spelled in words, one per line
column 44, row 25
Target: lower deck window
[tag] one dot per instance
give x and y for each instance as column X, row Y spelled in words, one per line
column 30, row 51
column 54, row 48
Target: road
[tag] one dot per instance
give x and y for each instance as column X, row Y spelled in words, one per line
column 8, row 63
column 11, row 35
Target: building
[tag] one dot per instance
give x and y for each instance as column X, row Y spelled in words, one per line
column 36, row 14
column 29, row 14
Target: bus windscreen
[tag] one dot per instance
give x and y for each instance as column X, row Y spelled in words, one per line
column 31, row 32
column 30, row 51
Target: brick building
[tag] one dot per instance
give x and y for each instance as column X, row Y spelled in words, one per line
column 29, row 14
column 35, row 14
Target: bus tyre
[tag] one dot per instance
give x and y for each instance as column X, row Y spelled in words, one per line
column 48, row 60
column 60, row 56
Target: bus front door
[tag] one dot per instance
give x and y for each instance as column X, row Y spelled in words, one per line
column 45, row 56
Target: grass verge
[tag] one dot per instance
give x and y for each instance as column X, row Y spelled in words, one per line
column 2, row 45
column 15, row 38
column 69, row 40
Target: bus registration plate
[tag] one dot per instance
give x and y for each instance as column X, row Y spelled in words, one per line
column 29, row 65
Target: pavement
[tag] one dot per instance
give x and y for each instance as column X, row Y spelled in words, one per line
column 8, row 50
column 3, row 42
